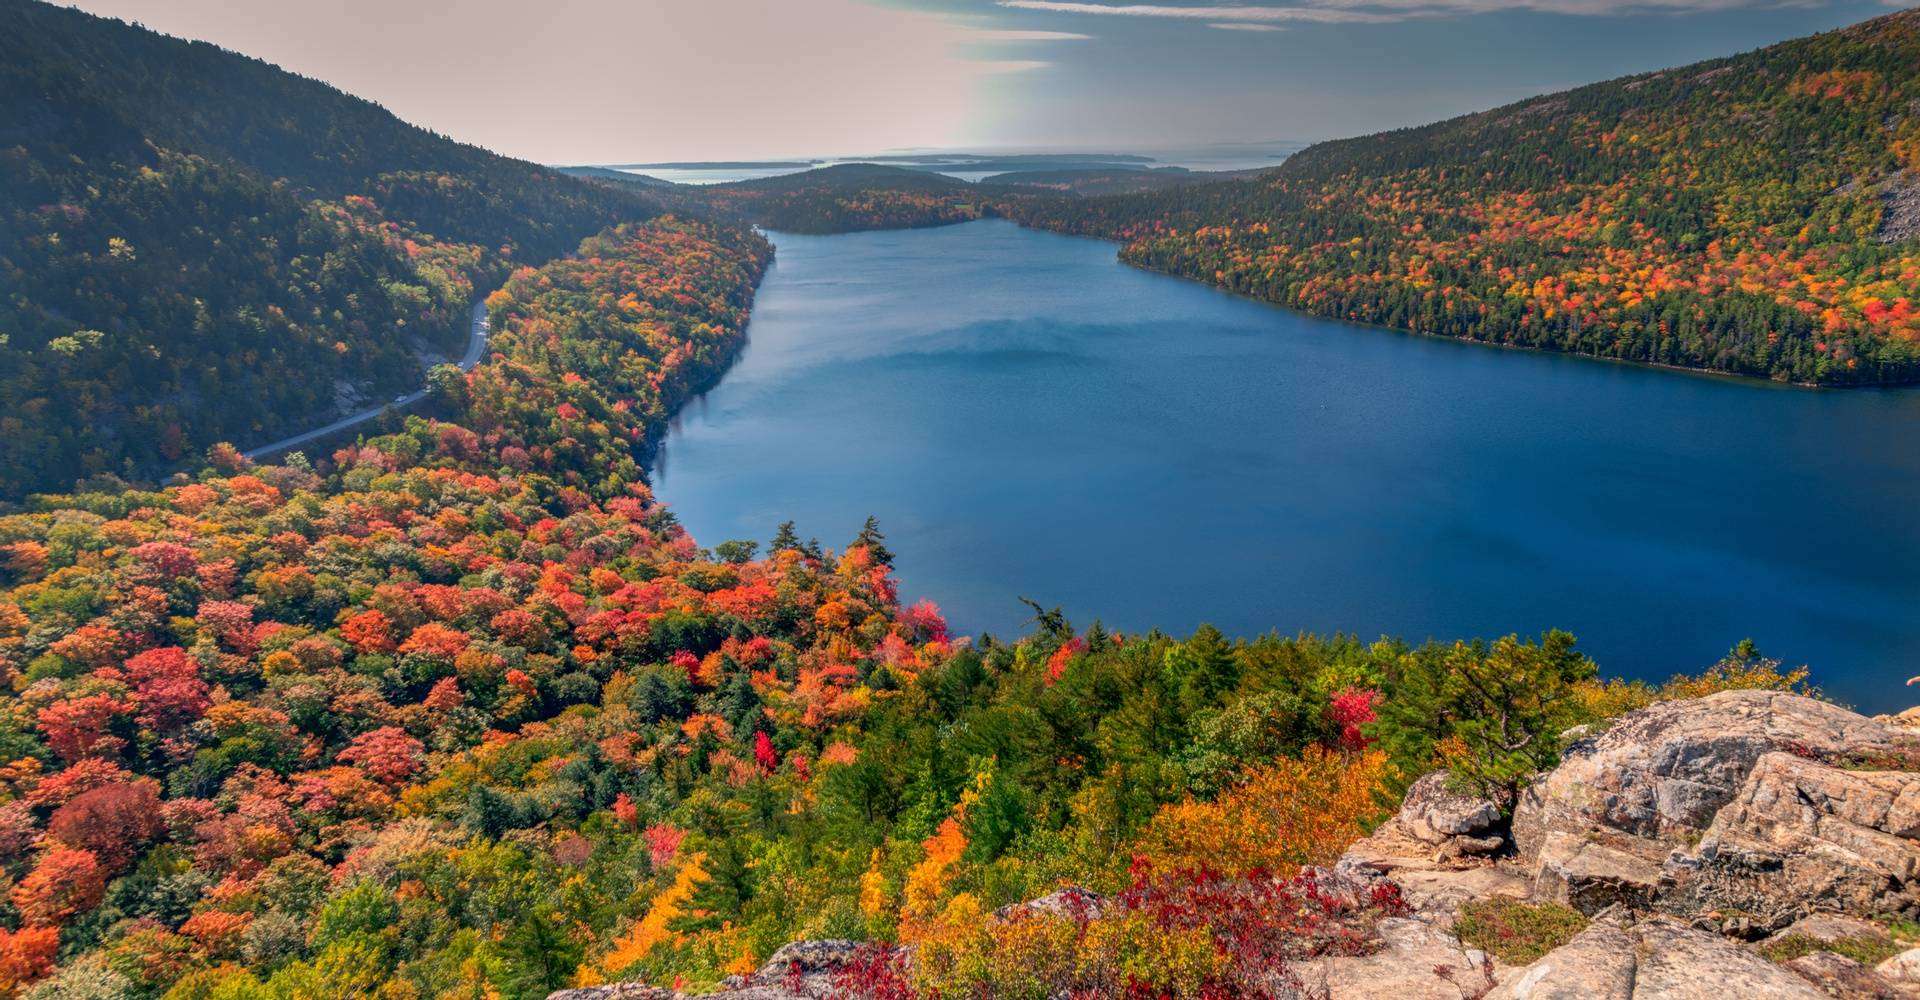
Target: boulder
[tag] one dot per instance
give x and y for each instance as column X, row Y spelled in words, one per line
column 1593, row 872
column 1840, row 976
column 1435, row 815
column 799, row 970
column 1072, row 902
column 1826, row 928
column 1908, row 720
column 1455, row 848
column 1415, row 961
column 1733, row 804
column 1433, row 884
column 1903, row 968
column 1598, row 964
column 615, row 991
column 1664, row 771
column 1800, row 837
column 1659, row 959
column 829, row 955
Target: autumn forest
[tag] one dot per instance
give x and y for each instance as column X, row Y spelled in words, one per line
column 451, row 706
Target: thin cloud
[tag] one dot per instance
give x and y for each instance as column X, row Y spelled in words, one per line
column 1010, row 35
column 1011, row 65
column 1379, row 11
column 1240, row 26
column 1322, row 15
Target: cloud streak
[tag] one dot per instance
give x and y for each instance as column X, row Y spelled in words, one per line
column 1010, row 35
column 1011, row 65
column 1265, row 17
column 1322, row 15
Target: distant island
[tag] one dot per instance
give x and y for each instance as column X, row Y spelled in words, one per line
column 717, row 165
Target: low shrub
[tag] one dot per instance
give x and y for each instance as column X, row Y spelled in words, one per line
column 1514, row 932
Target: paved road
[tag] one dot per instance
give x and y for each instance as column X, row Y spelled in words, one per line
column 476, row 347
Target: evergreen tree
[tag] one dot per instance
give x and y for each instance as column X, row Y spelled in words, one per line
column 874, row 541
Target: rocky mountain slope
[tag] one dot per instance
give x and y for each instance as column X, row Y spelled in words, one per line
column 1745, row 844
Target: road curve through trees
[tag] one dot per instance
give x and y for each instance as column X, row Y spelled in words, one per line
column 476, row 347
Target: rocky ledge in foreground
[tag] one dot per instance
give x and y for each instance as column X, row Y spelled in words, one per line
column 1746, row 844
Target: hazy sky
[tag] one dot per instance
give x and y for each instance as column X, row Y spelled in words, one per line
column 597, row 81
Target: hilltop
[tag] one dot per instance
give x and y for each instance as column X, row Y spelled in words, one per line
column 1755, row 214
column 196, row 245
column 846, row 197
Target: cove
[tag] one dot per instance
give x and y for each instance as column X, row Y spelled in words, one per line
column 1028, row 416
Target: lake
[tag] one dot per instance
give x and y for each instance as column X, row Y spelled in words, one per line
column 1029, row 417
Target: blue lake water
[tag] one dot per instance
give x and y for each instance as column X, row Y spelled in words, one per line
column 1028, row 416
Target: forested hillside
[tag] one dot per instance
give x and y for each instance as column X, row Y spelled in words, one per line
column 845, row 198
column 461, row 711
column 196, row 246
column 1756, row 214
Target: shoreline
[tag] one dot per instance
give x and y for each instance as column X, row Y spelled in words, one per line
column 1720, row 373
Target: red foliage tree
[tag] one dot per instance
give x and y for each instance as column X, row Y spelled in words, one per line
column 167, row 560
column 923, row 622
column 625, row 811
column 1349, row 709
column 1057, row 663
column 26, row 955
column 231, row 622
column 445, row 695
column 370, row 632
column 663, row 843
column 63, row 786
column 437, row 641
column 65, row 882
column 763, row 752
column 167, row 688
column 90, row 645
column 77, row 727
column 388, row 755
column 518, row 626
column 114, row 822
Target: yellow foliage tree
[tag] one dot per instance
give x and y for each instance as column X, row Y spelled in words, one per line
column 1289, row 813
column 651, row 930
column 927, row 882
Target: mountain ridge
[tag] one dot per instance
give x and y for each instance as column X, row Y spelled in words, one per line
column 196, row 245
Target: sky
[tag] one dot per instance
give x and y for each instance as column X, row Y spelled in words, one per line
column 633, row 81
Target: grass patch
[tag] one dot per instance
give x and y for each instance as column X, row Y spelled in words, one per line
column 1867, row 949
column 1514, row 932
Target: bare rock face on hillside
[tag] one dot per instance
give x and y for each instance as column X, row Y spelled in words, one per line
column 1073, row 902
column 1900, row 209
